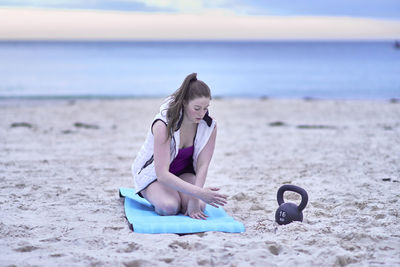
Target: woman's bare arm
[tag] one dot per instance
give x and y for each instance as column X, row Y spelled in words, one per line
column 204, row 159
column 162, row 161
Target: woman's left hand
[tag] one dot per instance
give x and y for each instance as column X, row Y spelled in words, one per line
column 194, row 210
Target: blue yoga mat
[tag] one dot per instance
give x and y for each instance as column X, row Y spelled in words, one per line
column 143, row 219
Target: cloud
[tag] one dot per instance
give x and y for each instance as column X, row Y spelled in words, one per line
column 124, row 5
column 353, row 8
column 389, row 9
column 179, row 5
column 78, row 24
column 185, row 6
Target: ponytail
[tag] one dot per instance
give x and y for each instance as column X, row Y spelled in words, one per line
column 190, row 89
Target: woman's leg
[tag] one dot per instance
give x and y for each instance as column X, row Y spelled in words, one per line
column 190, row 178
column 166, row 201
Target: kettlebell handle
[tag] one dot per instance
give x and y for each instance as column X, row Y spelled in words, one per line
column 290, row 187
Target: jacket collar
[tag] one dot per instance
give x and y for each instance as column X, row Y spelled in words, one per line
column 164, row 108
column 206, row 118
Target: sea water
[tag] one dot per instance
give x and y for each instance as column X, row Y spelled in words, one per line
column 279, row 69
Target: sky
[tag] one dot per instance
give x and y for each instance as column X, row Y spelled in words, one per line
column 200, row 19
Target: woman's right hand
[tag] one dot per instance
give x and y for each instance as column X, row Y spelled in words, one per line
column 211, row 197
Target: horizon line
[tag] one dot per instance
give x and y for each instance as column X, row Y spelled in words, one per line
column 3, row 40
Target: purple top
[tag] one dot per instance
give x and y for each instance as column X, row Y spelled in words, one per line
column 183, row 163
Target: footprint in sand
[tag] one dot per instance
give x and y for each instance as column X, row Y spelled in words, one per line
column 277, row 124
column 20, row 186
column 86, row 125
column 379, row 216
column 28, row 248
column 240, row 196
column 67, row 131
column 57, row 255
column 360, row 204
column 203, row 262
column 179, row 244
column 167, row 260
column 275, row 249
column 255, row 207
column 186, row 245
column 343, row 260
column 137, row 263
column 306, row 126
column 111, row 228
column 130, row 248
column 21, row 124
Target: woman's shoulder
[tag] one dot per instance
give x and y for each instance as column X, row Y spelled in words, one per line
column 158, row 125
column 160, row 129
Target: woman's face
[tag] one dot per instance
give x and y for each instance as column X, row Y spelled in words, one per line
column 196, row 108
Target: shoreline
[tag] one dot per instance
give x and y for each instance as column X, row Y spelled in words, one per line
column 72, row 98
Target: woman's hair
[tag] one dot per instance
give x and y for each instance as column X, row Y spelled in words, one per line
column 190, row 89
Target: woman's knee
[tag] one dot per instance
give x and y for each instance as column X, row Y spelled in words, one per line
column 168, row 207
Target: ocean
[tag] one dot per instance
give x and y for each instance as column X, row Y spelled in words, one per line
column 276, row 69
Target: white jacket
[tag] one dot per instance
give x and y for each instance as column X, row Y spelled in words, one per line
column 143, row 169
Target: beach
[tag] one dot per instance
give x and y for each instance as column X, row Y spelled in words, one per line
column 62, row 163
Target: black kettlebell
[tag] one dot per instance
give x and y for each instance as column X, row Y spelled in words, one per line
column 289, row 212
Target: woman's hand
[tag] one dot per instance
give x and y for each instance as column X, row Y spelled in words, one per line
column 194, row 209
column 210, row 196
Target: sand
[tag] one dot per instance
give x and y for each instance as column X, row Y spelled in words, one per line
column 62, row 163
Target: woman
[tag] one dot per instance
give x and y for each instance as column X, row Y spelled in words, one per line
column 171, row 167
